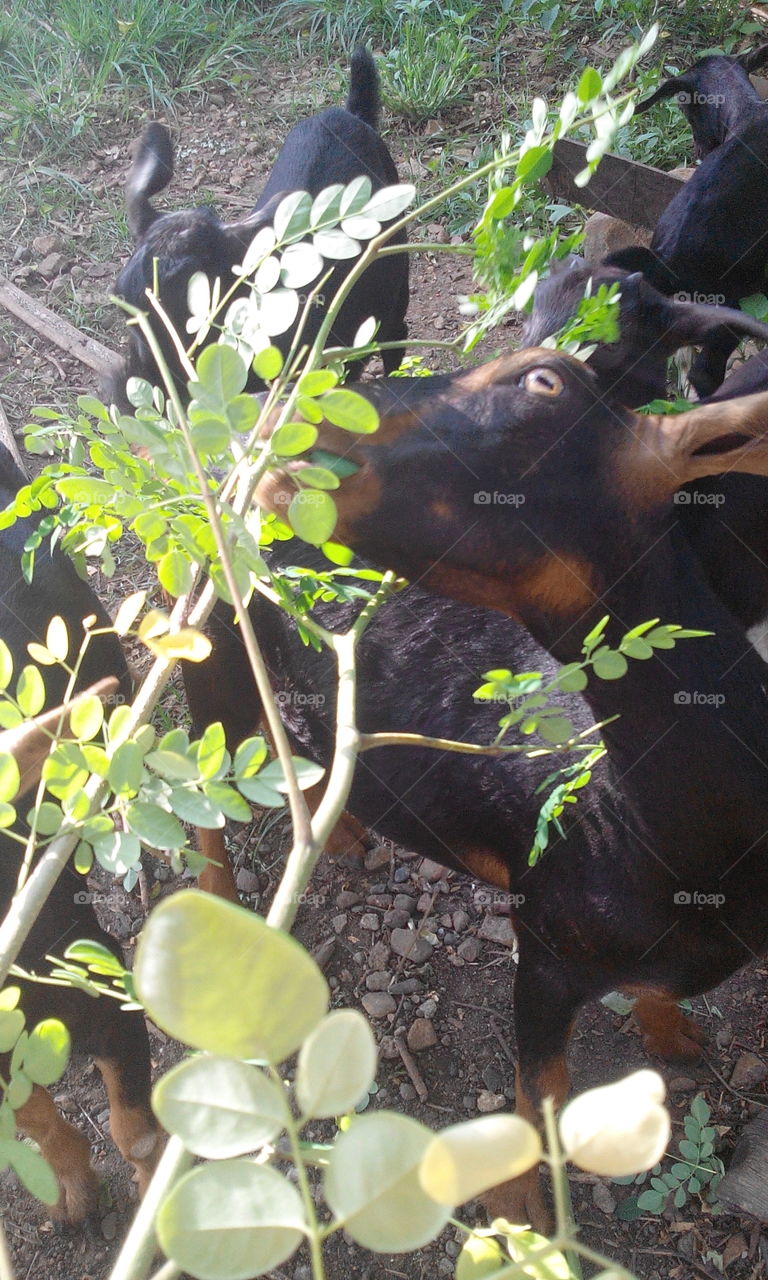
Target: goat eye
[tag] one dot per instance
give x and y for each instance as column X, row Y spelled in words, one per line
column 543, row 382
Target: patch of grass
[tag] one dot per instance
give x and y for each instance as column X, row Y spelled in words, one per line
column 345, row 23
column 429, row 71
column 58, row 74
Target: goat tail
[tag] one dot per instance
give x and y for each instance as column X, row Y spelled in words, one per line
column 363, row 100
column 151, row 171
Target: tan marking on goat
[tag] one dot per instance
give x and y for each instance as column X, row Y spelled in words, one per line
column 136, row 1135
column 559, row 584
column 487, row 865
column 67, row 1151
column 520, row 1200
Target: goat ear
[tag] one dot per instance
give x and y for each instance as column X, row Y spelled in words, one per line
column 240, row 234
column 669, row 89
column 755, row 59
column 571, row 262
column 664, row 452
column 693, row 322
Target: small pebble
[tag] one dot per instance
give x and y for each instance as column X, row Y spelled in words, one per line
column 431, row 871
column 407, row 987
column 246, row 881
column 404, row 902
column 378, row 857
column 424, row 903
column 452, row 1248
column 109, row 1226
column 339, row 922
column 487, row 1101
column 347, row 899
column 428, row 1009
column 370, row 921
column 469, row 949
column 388, row 1048
column 603, row 1199
column 408, row 943
column 378, row 957
column 381, row 900
column 498, row 929
column 378, row 981
column 378, row 1004
column 401, row 875
column 396, row 919
column 749, row 1071
column 421, row 1035
column 407, row 1092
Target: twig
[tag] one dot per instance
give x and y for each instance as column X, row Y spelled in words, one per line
column 409, row 1062
column 45, row 322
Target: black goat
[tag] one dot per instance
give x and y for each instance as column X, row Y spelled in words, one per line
column 715, row 95
column 710, row 242
column 333, row 147
column 117, row 1040
column 652, row 327
column 661, row 885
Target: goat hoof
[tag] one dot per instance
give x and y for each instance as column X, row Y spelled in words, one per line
column 349, row 841
column 684, row 1041
column 521, row 1201
column 78, row 1199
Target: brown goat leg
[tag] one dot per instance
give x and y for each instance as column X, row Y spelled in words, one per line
column 349, row 837
column 667, row 1032
column 521, row 1200
column 135, row 1132
column 67, row 1151
column 216, row 876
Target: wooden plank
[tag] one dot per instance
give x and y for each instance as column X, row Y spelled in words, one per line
column 45, row 322
column 744, row 1189
column 636, row 193
column 7, row 438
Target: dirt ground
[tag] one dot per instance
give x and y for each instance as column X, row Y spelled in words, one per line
column 461, row 994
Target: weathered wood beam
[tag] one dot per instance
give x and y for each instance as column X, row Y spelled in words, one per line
column 636, row 193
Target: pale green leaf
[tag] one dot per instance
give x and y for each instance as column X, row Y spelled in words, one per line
column 372, row 1184
column 220, row 1108
column 219, row 978
column 337, row 1063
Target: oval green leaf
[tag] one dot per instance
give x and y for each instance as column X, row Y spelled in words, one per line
column 293, row 438
column 86, row 718
column 220, row 1108
column 312, row 516
column 219, row 978
column 231, row 1221
column 350, row 411
column 336, row 1064
column 47, row 1052
column 372, row 1184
